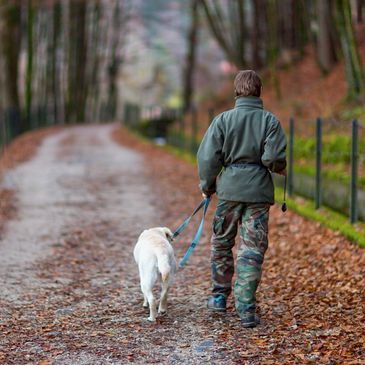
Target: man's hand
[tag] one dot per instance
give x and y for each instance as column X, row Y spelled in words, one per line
column 205, row 196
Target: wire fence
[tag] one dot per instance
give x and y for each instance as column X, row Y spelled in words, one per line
column 326, row 158
column 326, row 167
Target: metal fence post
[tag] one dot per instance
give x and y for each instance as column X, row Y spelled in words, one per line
column 354, row 167
column 291, row 157
column 194, row 129
column 318, row 162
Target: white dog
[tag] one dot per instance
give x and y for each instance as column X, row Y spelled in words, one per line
column 155, row 259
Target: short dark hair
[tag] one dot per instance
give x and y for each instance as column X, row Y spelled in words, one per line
column 247, row 83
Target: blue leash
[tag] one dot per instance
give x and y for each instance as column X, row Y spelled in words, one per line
column 205, row 204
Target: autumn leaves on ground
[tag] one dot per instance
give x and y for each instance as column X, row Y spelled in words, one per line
column 77, row 300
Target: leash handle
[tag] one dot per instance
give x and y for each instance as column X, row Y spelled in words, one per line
column 187, row 220
column 284, row 207
column 196, row 239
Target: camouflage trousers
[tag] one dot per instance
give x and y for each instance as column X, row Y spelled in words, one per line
column 253, row 221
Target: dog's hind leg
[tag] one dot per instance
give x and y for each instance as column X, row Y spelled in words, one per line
column 147, row 282
column 163, row 300
column 152, row 303
column 145, row 301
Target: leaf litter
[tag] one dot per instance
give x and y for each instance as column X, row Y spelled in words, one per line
column 87, row 308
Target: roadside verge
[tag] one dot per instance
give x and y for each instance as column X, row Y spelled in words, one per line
column 304, row 207
column 20, row 150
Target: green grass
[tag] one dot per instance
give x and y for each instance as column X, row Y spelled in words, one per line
column 304, row 207
column 326, row 217
column 184, row 155
column 336, row 157
column 335, row 148
column 354, row 112
column 333, row 173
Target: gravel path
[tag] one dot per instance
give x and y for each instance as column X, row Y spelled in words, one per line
column 78, row 177
column 70, row 288
column 81, row 187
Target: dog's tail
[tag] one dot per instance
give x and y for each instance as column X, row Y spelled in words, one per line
column 164, row 267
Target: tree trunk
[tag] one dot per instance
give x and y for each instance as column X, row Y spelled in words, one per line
column 273, row 46
column 302, row 20
column 191, row 57
column 41, row 79
column 228, row 28
column 29, row 71
column 326, row 47
column 97, row 32
column 114, row 62
column 285, row 24
column 55, row 71
column 359, row 5
column 354, row 70
column 75, row 110
column 256, row 34
column 10, row 44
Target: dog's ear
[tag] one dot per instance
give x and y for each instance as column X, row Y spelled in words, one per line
column 168, row 233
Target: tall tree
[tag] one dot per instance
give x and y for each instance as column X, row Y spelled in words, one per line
column 188, row 73
column 53, row 70
column 227, row 24
column 302, row 20
column 95, row 39
column 354, row 71
column 286, row 24
column 273, row 44
column 115, row 60
column 292, row 28
column 29, row 71
column 359, row 7
column 326, row 40
column 41, row 91
column 10, row 44
column 76, row 93
column 256, row 33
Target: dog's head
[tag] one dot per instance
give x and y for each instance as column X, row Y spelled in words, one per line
column 168, row 233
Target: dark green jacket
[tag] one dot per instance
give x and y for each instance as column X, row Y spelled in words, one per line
column 238, row 151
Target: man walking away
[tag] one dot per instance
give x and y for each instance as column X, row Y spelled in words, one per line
column 235, row 159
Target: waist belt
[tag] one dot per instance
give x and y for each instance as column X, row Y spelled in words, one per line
column 243, row 164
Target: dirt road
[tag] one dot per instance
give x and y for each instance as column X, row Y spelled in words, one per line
column 70, row 290
column 82, row 201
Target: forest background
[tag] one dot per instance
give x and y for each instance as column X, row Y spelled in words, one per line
column 80, row 61
column 75, row 61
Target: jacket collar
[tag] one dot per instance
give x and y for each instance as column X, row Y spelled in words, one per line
column 249, row 102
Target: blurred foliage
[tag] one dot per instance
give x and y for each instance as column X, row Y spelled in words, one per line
column 339, row 172
column 154, row 128
column 356, row 112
